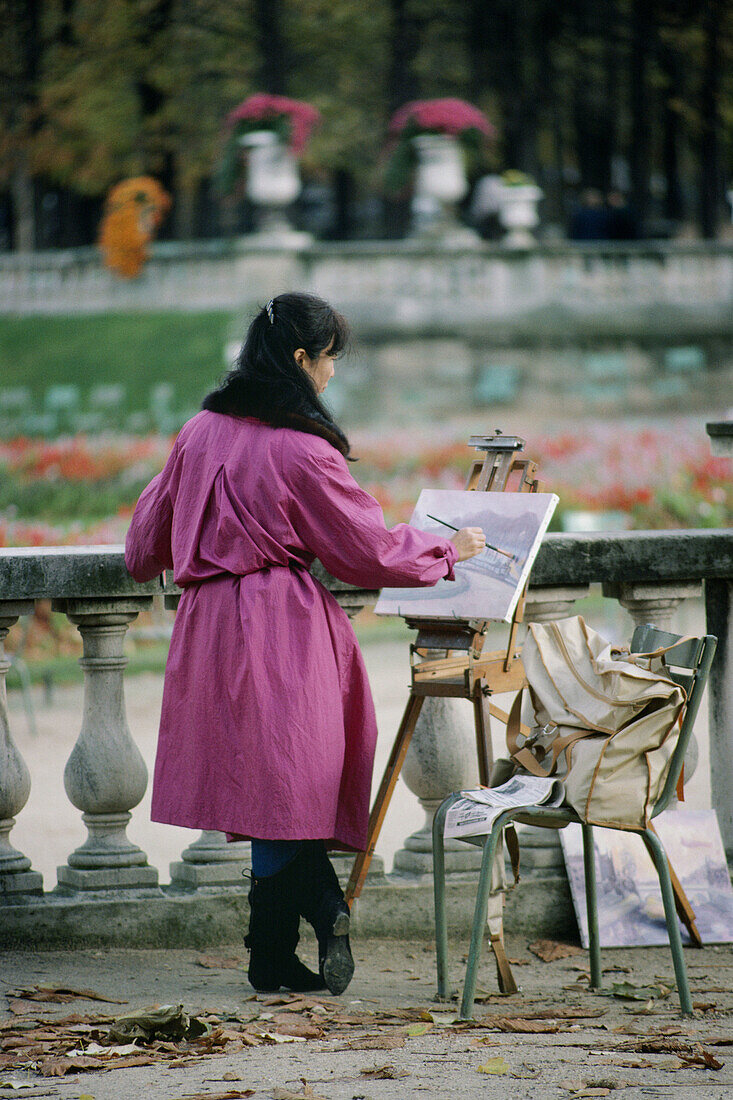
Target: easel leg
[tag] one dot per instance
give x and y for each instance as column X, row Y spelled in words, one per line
column 482, row 722
column 384, row 794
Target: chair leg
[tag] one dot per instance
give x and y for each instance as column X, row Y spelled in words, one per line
column 441, row 927
column 479, row 919
column 591, row 904
column 659, row 856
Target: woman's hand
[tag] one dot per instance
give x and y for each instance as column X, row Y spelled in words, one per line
column 469, row 542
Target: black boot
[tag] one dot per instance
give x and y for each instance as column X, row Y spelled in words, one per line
column 320, row 900
column 273, row 937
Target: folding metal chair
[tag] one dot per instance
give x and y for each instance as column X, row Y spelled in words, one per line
column 689, row 664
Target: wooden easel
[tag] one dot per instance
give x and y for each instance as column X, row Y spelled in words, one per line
column 465, row 671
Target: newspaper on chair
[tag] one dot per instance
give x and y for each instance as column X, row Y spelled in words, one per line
column 475, row 812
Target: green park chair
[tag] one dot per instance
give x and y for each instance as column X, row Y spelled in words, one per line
column 689, row 663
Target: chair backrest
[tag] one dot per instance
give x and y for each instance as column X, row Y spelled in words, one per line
column 688, row 664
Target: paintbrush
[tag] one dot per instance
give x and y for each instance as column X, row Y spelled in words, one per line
column 488, row 544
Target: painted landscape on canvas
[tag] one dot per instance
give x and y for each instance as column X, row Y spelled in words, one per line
column 630, row 910
column 488, row 585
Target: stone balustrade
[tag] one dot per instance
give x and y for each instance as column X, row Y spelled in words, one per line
column 108, row 892
column 450, row 288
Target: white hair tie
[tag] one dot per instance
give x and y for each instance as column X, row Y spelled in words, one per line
column 270, row 311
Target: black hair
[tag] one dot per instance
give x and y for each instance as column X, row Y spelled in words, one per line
column 268, row 383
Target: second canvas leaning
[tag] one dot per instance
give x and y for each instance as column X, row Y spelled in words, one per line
column 489, row 585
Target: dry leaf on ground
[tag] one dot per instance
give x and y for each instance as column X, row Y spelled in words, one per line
column 529, row 1027
column 232, row 1094
column 375, row 1042
column 496, row 1066
column 219, row 962
column 550, row 950
column 60, row 994
column 418, row 1029
column 306, row 1094
column 693, row 1054
column 628, row 991
column 385, row 1073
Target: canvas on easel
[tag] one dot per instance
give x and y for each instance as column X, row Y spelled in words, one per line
column 486, row 586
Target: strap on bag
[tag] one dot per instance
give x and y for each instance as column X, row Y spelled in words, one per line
column 631, row 657
column 523, row 755
column 504, row 975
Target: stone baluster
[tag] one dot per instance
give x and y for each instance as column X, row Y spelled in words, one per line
column 441, row 759
column 541, row 851
column 719, row 612
column 105, row 775
column 652, row 603
column 212, row 861
column 657, row 604
column 16, row 877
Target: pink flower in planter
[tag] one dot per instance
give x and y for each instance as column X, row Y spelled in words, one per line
column 300, row 118
column 445, row 116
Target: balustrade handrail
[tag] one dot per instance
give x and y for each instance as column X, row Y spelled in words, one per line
column 64, row 572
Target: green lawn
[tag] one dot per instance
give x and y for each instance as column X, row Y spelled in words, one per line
column 137, row 350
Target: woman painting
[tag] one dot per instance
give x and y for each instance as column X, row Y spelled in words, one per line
column 267, row 729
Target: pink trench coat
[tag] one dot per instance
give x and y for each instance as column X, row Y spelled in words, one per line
column 267, row 726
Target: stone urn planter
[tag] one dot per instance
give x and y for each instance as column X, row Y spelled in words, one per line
column 518, row 213
column 273, row 185
column 440, row 184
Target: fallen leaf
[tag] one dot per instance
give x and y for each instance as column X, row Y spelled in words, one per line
column 628, row 991
column 302, row 1030
column 218, row 962
column 232, row 1094
column 704, row 1006
column 60, row 994
column 57, row 1067
column 274, row 1037
column 306, row 1094
column 418, row 1029
column 689, row 1053
column 385, row 1073
column 375, row 1042
column 495, row 1066
column 550, row 950
column 160, row 1022
column 530, row 1027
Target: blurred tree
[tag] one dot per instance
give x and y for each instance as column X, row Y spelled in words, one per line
column 92, row 92
column 20, row 52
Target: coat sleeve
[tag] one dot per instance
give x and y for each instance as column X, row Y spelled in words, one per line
column 148, row 543
column 344, row 527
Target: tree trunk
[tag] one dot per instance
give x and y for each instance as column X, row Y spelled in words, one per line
column 274, row 64
column 710, row 182
column 594, row 90
column 22, row 189
column 670, row 62
column 641, row 36
column 184, row 212
column 403, row 87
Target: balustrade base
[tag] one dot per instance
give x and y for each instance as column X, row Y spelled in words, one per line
column 21, row 882
column 169, row 917
column 194, row 876
column 107, row 878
